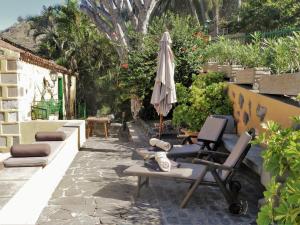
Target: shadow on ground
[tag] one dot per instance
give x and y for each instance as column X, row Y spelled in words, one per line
column 94, row 190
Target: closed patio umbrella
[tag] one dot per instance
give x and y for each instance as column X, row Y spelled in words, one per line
column 164, row 92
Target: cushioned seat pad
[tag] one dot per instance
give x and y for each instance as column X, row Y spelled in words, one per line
column 185, row 171
column 26, row 161
column 55, row 146
column 30, row 150
column 50, row 136
column 184, row 150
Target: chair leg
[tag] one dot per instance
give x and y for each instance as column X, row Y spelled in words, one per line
column 193, row 188
column 147, row 182
column 227, row 194
column 141, row 183
column 139, row 186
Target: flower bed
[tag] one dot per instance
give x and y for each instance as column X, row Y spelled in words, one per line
column 279, row 56
column 283, row 84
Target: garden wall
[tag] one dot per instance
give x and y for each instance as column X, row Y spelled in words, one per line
column 21, row 84
column 251, row 109
column 9, row 92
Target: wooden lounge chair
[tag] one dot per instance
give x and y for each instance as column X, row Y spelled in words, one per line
column 209, row 138
column 205, row 172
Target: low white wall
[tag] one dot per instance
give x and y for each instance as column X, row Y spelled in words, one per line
column 80, row 124
column 27, row 204
column 28, row 129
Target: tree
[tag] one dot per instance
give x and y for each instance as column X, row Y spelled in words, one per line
column 180, row 7
column 187, row 45
column 112, row 18
column 265, row 15
column 115, row 18
column 215, row 6
column 72, row 40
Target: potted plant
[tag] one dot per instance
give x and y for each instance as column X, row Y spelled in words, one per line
column 218, row 55
column 284, row 61
column 248, row 56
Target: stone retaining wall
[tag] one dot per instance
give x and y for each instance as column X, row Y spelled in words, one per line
column 9, row 103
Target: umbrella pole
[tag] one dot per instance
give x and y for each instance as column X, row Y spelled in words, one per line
column 160, row 125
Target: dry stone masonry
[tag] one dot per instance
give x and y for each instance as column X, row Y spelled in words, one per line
column 9, row 102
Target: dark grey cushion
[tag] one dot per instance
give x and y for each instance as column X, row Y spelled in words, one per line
column 30, row 150
column 231, row 124
column 50, row 136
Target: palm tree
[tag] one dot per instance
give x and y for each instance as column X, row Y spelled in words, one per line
column 215, row 6
column 180, row 7
column 73, row 41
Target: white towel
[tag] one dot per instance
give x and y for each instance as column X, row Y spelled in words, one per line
column 166, row 146
column 163, row 162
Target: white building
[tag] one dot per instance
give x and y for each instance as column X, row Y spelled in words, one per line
column 27, row 82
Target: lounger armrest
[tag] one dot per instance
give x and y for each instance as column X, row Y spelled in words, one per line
column 223, row 154
column 212, row 165
column 186, row 136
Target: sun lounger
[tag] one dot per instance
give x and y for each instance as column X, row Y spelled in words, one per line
column 204, row 172
column 209, row 137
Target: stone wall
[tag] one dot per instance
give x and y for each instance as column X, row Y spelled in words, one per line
column 9, row 103
column 21, row 84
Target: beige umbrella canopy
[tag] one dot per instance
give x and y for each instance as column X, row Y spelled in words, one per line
column 164, row 92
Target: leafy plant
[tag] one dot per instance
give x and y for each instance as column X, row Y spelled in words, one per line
column 228, row 51
column 187, row 46
column 207, row 95
column 281, row 55
column 71, row 39
column 223, row 51
column 265, row 15
column 282, row 160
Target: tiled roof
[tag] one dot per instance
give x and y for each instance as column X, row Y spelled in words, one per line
column 28, row 56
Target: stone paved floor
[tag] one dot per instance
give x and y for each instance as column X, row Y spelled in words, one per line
column 94, row 191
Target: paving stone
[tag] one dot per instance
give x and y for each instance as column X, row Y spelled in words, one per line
column 95, row 191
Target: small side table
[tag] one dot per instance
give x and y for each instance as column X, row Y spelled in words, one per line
column 91, row 121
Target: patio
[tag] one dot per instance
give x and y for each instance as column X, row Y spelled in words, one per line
column 94, row 191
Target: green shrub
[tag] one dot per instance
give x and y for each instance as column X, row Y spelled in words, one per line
column 282, row 160
column 207, row 95
column 104, row 110
column 281, row 55
column 187, row 47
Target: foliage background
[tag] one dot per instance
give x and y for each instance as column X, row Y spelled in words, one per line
column 281, row 54
column 282, row 160
column 265, row 15
column 73, row 41
column 206, row 96
column 188, row 44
